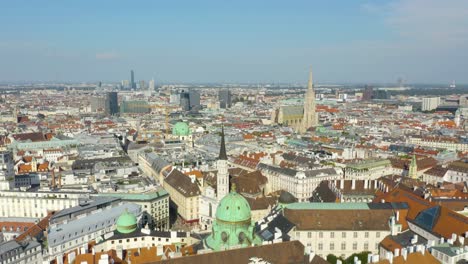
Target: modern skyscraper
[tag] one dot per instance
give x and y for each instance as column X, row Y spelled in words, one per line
column 310, row 117
column 112, row 103
column 222, row 178
column 185, row 101
column 132, row 80
column 98, row 104
column 194, row 99
column 151, row 85
column 142, row 85
column 368, row 93
column 224, row 97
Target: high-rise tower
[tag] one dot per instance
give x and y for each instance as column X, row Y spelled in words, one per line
column 310, row 117
column 132, row 80
column 222, row 186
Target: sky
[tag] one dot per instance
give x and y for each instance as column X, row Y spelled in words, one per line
column 378, row 41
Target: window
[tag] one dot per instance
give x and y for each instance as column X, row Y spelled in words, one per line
column 332, row 246
column 332, row 234
column 366, row 246
column 355, row 234
column 377, row 234
column 355, row 246
column 343, row 234
column 320, row 235
column 320, row 246
column 366, row 234
column 343, row 245
column 309, row 234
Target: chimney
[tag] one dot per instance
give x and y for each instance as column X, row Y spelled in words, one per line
column 398, row 216
column 397, row 252
column 404, row 253
column 376, row 184
column 353, row 184
column 365, row 183
column 454, row 237
column 53, row 179
column 342, row 184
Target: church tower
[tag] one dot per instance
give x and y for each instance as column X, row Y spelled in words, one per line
column 222, row 181
column 413, row 168
column 310, row 118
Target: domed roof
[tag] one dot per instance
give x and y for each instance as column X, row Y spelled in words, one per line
column 286, row 198
column 181, row 129
column 127, row 223
column 233, row 208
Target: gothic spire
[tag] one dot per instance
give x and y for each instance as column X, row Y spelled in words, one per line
column 310, row 84
column 222, row 151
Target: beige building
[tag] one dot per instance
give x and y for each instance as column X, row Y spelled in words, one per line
column 342, row 228
column 184, row 193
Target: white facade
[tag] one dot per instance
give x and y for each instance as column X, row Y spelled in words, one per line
column 340, row 243
column 430, row 103
column 36, row 204
column 299, row 183
column 456, row 176
column 222, row 179
column 145, row 239
column 450, row 145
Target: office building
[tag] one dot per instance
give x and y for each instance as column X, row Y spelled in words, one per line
column 98, row 104
column 224, row 97
column 132, row 80
column 430, row 103
column 134, row 107
column 185, row 101
column 125, row 84
column 142, row 85
column 112, row 103
column 368, row 93
column 151, row 85
column 194, row 100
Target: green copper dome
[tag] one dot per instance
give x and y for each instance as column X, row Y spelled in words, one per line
column 181, row 129
column 233, row 226
column 233, row 208
column 127, row 223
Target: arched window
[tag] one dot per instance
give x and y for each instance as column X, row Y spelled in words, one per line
column 224, row 237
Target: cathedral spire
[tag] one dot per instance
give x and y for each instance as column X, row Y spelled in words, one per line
column 310, row 84
column 222, row 151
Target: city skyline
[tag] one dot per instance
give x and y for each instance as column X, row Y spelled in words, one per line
column 241, row 42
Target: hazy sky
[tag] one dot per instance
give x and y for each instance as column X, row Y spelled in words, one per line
column 235, row 41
